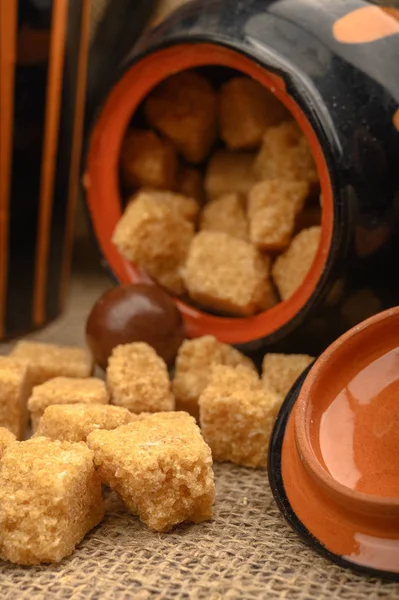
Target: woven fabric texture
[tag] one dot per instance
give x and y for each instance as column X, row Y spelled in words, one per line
column 245, row 552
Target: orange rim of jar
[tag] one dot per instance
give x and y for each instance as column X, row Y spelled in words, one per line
column 101, row 181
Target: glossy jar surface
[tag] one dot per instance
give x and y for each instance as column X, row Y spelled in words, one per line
column 332, row 454
column 334, row 66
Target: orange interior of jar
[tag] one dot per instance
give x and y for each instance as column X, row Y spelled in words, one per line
column 101, row 181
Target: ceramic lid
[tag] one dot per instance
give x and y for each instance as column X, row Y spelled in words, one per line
column 333, row 461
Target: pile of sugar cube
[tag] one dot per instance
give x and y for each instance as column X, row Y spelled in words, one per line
column 136, row 432
column 222, row 190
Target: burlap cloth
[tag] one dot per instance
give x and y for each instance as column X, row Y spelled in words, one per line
column 247, row 551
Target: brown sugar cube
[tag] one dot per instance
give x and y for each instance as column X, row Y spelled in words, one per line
column 160, row 466
column 278, row 191
column 184, row 109
column 229, row 172
column 73, row 423
column 280, row 371
column 226, row 274
column 184, row 206
column 271, row 228
column 291, row 268
column 155, row 238
column 246, row 110
column 225, row 214
column 285, row 154
column 147, row 160
column 138, row 379
column 272, row 207
column 190, row 182
column 6, row 438
column 65, row 390
column 193, row 368
column 237, row 416
column 15, row 387
column 50, row 497
column 48, row 360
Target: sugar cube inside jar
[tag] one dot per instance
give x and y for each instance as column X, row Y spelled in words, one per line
column 218, row 198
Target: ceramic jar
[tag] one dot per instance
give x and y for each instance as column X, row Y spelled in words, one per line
column 333, row 64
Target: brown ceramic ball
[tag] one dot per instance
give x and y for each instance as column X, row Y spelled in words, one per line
column 134, row 313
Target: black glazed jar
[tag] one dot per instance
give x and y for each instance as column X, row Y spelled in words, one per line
column 333, row 63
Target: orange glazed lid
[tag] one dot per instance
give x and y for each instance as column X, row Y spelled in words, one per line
column 334, row 456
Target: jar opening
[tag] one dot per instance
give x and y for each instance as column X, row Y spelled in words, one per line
column 103, row 189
